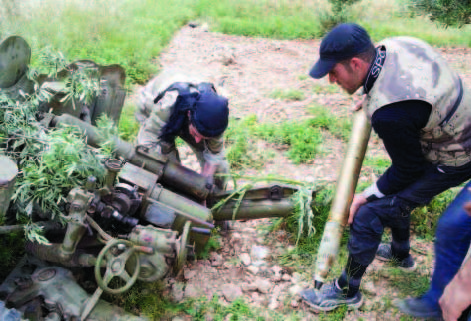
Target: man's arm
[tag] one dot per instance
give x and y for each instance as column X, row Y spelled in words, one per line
column 399, row 125
column 457, row 295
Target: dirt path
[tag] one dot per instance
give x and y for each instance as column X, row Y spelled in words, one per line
column 249, row 70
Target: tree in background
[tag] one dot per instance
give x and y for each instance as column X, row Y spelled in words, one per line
column 340, row 13
column 447, row 12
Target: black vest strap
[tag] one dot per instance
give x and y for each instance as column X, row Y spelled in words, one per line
column 455, row 106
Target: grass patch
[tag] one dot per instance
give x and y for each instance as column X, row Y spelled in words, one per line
column 94, row 30
column 408, row 284
column 128, row 125
column 340, row 127
column 267, row 18
column 325, row 89
column 424, row 219
column 213, row 244
column 377, row 164
column 288, row 94
column 300, row 138
column 242, row 145
column 303, row 141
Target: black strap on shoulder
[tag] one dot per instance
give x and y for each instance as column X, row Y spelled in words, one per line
column 455, row 106
column 181, row 87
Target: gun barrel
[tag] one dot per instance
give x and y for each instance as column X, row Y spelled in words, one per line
column 346, row 185
column 169, row 173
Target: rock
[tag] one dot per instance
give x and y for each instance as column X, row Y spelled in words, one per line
column 263, row 232
column 259, row 263
column 255, row 297
column 260, row 240
column 276, row 269
column 297, row 278
column 204, row 27
column 259, row 252
column 286, row 277
column 192, row 291
column 295, row 290
column 231, row 292
column 263, row 285
column 177, row 292
column 253, row 269
column 248, row 287
column 276, row 273
column 294, row 303
column 193, row 24
column 178, row 318
column 274, row 305
column 369, row 287
column 188, row 274
column 227, row 59
column 245, row 259
column 216, row 259
column 235, row 237
column 276, row 278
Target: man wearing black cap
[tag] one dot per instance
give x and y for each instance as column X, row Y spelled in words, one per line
column 419, row 108
column 179, row 104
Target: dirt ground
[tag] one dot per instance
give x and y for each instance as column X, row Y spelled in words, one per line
column 248, row 70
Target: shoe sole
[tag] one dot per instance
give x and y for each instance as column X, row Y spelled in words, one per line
column 406, row 269
column 319, row 309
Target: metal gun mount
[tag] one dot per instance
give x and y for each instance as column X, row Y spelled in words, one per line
column 134, row 227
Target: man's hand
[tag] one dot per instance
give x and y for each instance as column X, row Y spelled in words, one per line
column 358, row 102
column 208, row 171
column 455, row 298
column 358, row 200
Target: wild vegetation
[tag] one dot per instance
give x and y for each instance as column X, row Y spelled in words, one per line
column 133, row 33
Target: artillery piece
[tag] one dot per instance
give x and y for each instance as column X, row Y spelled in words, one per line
column 141, row 224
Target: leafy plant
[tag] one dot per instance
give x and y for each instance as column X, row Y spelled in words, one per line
column 51, row 161
column 446, row 12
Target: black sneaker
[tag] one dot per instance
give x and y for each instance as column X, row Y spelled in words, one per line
column 384, row 254
column 329, row 297
column 419, row 307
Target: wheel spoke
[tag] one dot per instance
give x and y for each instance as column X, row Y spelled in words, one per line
column 126, row 254
column 125, row 276
column 108, row 277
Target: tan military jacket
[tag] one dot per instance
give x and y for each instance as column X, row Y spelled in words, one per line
column 155, row 116
column 414, row 71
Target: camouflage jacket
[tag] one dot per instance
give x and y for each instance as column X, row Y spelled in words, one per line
column 414, row 71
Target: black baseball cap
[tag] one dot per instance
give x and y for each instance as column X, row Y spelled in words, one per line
column 344, row 41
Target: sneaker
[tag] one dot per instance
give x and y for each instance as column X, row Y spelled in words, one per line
column 419, row 307
column 329, row 297
column 384, row 254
